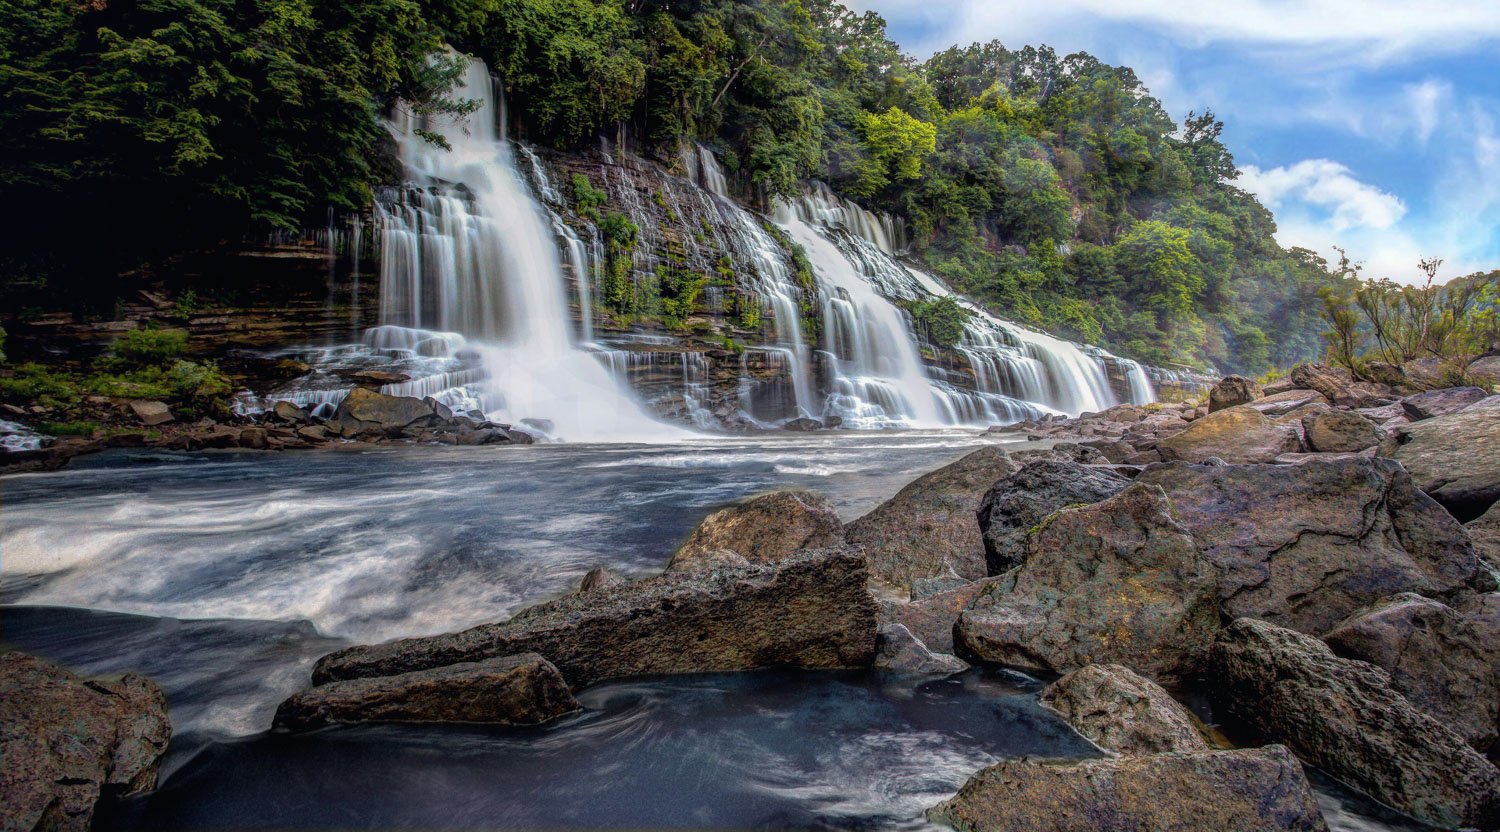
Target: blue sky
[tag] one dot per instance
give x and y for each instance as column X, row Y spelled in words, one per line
column 1371, row 124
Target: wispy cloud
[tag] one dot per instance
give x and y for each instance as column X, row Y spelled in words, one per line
column 1327, row 185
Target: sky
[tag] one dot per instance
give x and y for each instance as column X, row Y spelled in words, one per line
column 1368, row 124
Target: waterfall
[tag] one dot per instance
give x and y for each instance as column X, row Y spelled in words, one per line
column 468, row 250
column 1141, row 391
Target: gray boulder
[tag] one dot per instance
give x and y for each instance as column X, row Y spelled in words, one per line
column 1017, row 503
column 1343, row 717
column 1116, row 582
column 931, row 618
column 1441, row 402
column 1288, row 401
column 1304, row 546
column 1239, row 434
column 1454, row 457
column 1251, row 790
column 1340, row 431
column 1124, row 712
column 511, row 690
column 151, row 413
column 1435, row 658
column 1233, row 390
column 766, row 528
column 65, row 741
column 365, row 412
column 928, row 527
column 810, row 610
column 897, row 650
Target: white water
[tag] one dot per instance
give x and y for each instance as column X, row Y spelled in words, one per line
column 469, row 251
column 1141, row 389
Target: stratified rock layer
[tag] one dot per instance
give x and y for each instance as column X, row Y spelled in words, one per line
column 810, row 610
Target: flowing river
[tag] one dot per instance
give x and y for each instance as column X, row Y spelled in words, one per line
column 223, row 576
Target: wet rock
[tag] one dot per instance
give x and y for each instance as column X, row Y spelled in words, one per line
column 1434, row 657
column 896, row 649
column 1115, row 582
column 1017, row 503
column 151, row 414
column 1340, row 431
column 377, row 378
column 932, row 617
column 316, row 434
column 65, row 741
column 1441, row 402
column 364, row 410
column 1122, row 711
column 1453, row 457
column 802, row 425
column 928, row 527
column 1233, row 390
column 256, row 439
column 291, row 414
column 767, row 528
column 524, row 689
column 1306, row 545
column 810, row 610
column 1251, row 790
column 1239, row 434
column 599, row 578
column 1343, row 717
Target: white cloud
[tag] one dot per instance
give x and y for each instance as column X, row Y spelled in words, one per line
column 1425, row 99
column 1327, row 185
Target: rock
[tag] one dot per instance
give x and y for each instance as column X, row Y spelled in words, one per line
column 1339, row 386
column 1250, row 790
column 1122, row 711
column 1306, row 545
column 1115, row 582
column 931, row 618
column 1384, row 413
column 1239, row 434
column 1343, row 717
column 1340, row 431
column 599, row 578
column 767, row 528
column 1288, row 401
column 927, row 587
column 151, row 414
column 255, row 439
column 1017, row 503
column 366, row 410
column 1382, row 372
column 1233, row 390
column 313, row 433
column 65, row 741
column 1298, row 459
column 1278, row 386
column 1454, row 459
column 802, row 424
column 1485, row 532
column 1440, row 402
column 216, row 438
column 378, row 378
column 896, row 649
column 928, row 527
column 523, row 689
column 810, row 610
column 1434, row 657
column 1113, row 450
column 291, row 414
column 706, row 560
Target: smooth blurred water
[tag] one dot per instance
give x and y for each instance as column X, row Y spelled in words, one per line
column 225, row 575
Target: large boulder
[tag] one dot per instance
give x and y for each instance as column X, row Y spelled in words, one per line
column 1441, row 402
column 1435, row 658
column 929, row 525
column 1239, row 434
column 1339, row 385
column 766, row 529
column 364, row 411
column 66, row 741
column 1342, row 716
column 1233, row 390
column 899, row 651
column 932, row 617
column 1017, row 503
column 511, row 690
column 1289, row 401
column 810, row 610
column 1485, row 532
column 1251, row 790
column 1454, row 458
column 1115, row 582
column 1122, row 711
column 1306, row 545
column 1340, row 432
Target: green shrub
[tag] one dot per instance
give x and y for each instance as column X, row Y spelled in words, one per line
column 82, row 428
column 587, row 198
column 150, row 346
column 36, row 384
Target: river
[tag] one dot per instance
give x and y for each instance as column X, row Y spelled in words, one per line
column 224, row 575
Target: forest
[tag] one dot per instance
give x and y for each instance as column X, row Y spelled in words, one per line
column 1054, row 189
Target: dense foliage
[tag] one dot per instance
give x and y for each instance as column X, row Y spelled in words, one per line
column 1051, row 188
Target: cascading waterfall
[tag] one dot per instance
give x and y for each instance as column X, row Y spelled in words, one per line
column 469, row 251
column 1141, row 389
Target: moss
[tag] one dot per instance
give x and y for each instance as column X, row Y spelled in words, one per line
column 79, row 428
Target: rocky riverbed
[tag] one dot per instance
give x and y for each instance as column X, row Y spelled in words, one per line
column 1272, row 600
